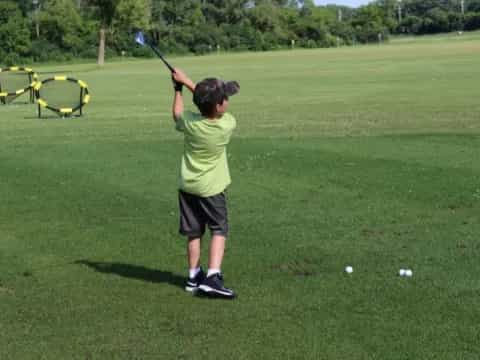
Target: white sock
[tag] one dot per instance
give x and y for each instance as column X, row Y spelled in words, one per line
column 193, row 272
column 213, row 272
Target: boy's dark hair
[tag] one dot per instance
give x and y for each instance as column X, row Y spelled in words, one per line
column 211, row 92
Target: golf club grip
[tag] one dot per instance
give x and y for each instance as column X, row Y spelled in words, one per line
column 162, row 58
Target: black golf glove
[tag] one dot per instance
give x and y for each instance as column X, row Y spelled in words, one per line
column 177, row 86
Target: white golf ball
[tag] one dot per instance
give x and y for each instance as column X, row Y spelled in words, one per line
column 408, row 273
column 402, row 272
column 349, row 269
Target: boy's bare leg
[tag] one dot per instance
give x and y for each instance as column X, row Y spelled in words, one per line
column 217, row 249
column 193, row 252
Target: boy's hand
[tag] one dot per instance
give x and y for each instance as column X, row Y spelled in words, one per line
column 179, row 76
column 177, row 86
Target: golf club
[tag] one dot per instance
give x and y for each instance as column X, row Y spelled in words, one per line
column 142, row 40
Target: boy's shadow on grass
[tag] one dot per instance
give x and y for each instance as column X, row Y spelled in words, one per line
column 135, row 272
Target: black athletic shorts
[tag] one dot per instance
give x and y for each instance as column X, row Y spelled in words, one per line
column 198, row 212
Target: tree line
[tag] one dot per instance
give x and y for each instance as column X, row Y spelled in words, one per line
column 44, row 30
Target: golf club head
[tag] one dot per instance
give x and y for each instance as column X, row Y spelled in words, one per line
column 140, row 38
column 143, row 40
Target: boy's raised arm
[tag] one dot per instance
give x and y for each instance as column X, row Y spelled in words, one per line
column 177, row 108
column 180, row 78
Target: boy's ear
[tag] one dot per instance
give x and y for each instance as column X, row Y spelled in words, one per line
column 217, row 108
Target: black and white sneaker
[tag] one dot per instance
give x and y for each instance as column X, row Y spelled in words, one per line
column 213, row 286
column 193, row 283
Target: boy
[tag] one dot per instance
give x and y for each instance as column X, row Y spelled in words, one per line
column 204, row 176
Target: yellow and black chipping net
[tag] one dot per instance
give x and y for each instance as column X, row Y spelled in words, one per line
column 16, row 81
column 62, row 95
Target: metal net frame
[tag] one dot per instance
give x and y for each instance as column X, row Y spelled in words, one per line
column 7, row 94
column 63, row 111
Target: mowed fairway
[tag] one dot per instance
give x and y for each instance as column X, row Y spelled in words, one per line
column 361, row 156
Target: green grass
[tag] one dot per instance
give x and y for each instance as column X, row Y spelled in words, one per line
column 354, row 156
column 453, row 36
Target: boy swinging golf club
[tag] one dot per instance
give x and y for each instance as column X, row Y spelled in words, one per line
column 204, row 176
column 204, row 173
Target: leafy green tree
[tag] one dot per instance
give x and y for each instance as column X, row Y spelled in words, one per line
column 311, row 33
column 473, row 6
column 182, row 12
column 472, row 21
column 422, row 7
column 436, row 21
column 368, row 24
column 130, row 15
column 14, row 33
column 389, row 9
column 266, row 20
column 175, row 25
column 61, row 24
column 344, row 31
column 413, row 24
column 226, row 11
column 76, row 27
column 264, row 17
column 26, row 6
column 104, row 11
column 307, row 7
column 455, row 21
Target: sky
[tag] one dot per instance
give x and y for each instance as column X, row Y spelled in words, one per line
column 352, row 3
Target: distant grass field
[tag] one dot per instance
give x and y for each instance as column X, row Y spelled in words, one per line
column 459, row 36
column 361, row 156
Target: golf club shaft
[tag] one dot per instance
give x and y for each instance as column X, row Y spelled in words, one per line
column 162, row 58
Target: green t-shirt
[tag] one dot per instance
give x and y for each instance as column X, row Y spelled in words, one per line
column 204, row 170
